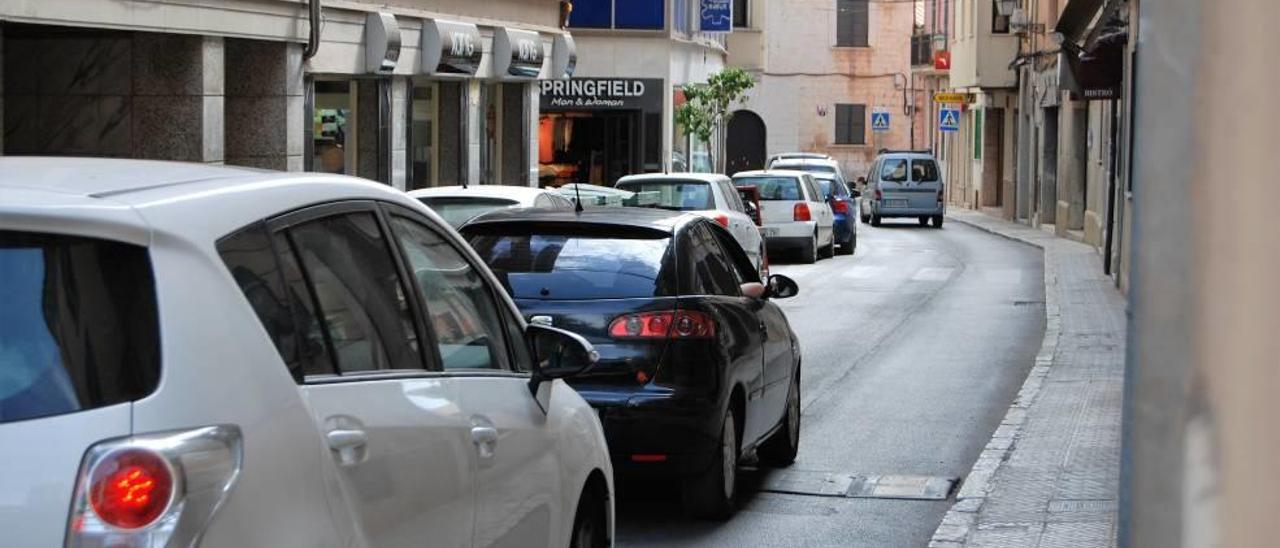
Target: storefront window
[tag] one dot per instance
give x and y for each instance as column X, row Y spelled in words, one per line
column 422, row 118
column 331, row 115
column 348, row 134
column 490, row 128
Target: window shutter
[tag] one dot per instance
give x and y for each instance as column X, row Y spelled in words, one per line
column 851, row 22
column 858, row 127
column 843, row 115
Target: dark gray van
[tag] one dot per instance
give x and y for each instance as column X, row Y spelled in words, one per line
column 904, row 185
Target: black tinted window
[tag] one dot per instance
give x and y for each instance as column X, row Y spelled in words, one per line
column 363, row 302
column 279, row 298
column 585, row 264
column 709, row 271
column 78, row 325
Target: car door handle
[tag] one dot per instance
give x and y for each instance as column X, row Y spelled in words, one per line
column 349, row 445
column 486, row 440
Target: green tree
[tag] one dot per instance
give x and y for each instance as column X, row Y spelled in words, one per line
column 706, row 106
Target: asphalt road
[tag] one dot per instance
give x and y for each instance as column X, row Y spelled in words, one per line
column 914, row 348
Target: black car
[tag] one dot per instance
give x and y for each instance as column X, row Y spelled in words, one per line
column 698, row 368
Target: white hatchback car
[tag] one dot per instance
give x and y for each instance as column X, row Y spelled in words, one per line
column 196, row 354
column 709, row 195
column 459, row 204
column 796, row 216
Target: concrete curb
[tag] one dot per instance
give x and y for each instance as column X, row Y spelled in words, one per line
column 960, row 518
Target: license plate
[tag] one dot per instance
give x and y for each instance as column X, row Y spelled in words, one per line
column 895, row 203
column 769, row 232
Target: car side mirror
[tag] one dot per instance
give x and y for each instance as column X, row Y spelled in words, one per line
column 782, row 287
column 557, row 354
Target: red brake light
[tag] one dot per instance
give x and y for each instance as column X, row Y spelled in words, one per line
column 723, row 220
column 130, row 489
column 840, row 206
column 879, row 195
column 680, row 324
column 801, row 212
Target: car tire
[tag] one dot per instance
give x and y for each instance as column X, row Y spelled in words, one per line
column 848, row 247
column 781, row 448
column 828, row 250
column 924, row 221
column 809, row 254
column 590, row 522
column 937, row 221
column 875, row 220
column 865, row 219
column 712, row 494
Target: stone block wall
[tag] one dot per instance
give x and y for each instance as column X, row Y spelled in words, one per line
column 264, row 104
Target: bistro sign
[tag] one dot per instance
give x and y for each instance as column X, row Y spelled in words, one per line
column 601, row 93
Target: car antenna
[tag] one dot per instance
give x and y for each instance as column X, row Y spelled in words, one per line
column 577, row 193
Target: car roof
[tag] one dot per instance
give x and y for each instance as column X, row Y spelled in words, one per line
column 796, row 155
column 634, row 217
column 678, row 176
column 137, row 201
column 806, row 162
column 907, row 154
column 520, row 193
column 772, row 172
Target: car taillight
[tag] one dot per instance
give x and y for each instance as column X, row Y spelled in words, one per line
column 801, row 212
column 939, row 194
column 879, row 195
column 131, row 488
column 678, row 324
column 840, row 206
column 134, row 492
column 722, row 219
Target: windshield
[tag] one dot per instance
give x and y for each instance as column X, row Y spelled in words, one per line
column 675, row 195
column 924, row 171
column 457, row 211
column 811, row 168
column 829, row 185
column 563, row 266
column 774, row 188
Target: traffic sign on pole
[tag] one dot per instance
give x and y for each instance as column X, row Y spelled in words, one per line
column 949, row 118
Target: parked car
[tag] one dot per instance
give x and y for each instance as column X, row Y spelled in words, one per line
column 904, row 185
column 710, row 195
column 207, row 355
column 698, row 367
column 797, row 156
column 457, row 204
column 816, row 166
column 796, row 216
column 843, row 205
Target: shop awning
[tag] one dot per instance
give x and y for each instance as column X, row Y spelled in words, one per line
column 1098, row 73
column 1076, row 18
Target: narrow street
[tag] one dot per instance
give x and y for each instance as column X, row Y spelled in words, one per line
column 913, row 349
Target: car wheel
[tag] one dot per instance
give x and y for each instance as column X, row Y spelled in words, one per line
column 924, row 221
column 829, row 250
column 809, row 254
column 937, row 221
column 848, row 247
column 711, row 495
column 875, row 220
column 865, row 218
column 590, row 523
column 781, row 448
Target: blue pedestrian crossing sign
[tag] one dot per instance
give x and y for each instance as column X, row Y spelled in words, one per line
column 949, row 119
column 880, row 120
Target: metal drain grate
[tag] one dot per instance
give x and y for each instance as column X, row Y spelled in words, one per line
column 842, row 485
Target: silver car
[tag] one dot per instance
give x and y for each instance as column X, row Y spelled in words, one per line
column 796, row 215
column 904, row 185
column 200, row 355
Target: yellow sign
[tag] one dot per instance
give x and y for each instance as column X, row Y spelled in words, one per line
column 952, row 98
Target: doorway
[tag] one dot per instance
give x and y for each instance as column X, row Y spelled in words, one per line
column 595, row 148
column 745, row 146
column 1049, row 167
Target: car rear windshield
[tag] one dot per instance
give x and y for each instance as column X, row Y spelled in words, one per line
column 78, row 328
column 811, row 168
column 577, row 264
column 675, row 195
column 924, row 171
column 774, row 188
column 829, row 186
column 459, row 210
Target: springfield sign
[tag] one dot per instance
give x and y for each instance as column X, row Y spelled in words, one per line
column 601, row 93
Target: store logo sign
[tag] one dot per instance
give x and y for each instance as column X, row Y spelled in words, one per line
column 462, row 44
column 601, row 93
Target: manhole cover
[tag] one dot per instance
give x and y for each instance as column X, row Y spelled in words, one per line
column 844, row 485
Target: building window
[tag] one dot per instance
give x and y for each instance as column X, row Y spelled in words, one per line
column 741, row 8
column 851, row 124
column 618, row 14
column 999, row 23
column 851, row 23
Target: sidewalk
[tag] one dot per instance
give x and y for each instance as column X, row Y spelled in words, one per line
column 1049, row 477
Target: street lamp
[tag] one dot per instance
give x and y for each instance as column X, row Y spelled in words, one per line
column 1005, row 7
